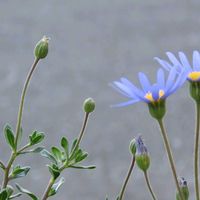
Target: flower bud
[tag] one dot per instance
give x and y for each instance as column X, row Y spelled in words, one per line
column 142, row 156
column 89, row 105
column 195, row 90
column 184, row 189
column 157, row 109
column 41, row 48
column 132, row 146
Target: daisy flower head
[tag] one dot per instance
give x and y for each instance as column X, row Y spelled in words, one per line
column 152, row 94
column 182, row 62
column 192, row 70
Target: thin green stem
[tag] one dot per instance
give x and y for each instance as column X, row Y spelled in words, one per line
column 21, row 105
column 18, row 126
column 196, row 151
column 170, row 157
column 127, row 178
column 149, row 185
column 49, row 186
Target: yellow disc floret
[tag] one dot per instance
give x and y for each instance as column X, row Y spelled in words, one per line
column 149, row 96
column 194, row 76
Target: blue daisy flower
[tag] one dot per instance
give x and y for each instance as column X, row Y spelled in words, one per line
column 193, row 71
column 150, row 93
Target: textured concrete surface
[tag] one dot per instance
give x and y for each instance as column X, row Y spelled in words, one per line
column 94, row 42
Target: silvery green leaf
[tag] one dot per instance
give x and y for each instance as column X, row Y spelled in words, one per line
column 65, row 145
column 19, row 172
column 35, row 150
column 36, row 137
column 9, row 135
column 3, row 195
column 83, row 167
column 54, row 170
column 57, row 153
column 56, row 186
column 15, row 196
column 25, row 191
column 48, row 155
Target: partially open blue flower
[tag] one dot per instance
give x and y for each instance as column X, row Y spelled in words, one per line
column 150, row 93
column 193, row 71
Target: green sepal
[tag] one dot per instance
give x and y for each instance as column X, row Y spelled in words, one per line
column 19, row 172
column 185, row 192
column 55, row 187
column 9, row 135
column 54, row 170
column 143, row 161
column 41, row 48
column 25, row 191
column 195, row 90
column 36, row 137
column 157, row 109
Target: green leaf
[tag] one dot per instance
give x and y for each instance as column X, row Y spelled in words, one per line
column 65, row 145
column 19, row 172
column 74, row 145
column 36, row 137
column 48, row 155
column 9, row 190
column 10, row 138
column 25, row 191
column 3, row 195
column 56, row 186
column 54, row 170
column 57, row 153
column 83, row 167
column 15, row 196
column 36, row 150
column 81, row 156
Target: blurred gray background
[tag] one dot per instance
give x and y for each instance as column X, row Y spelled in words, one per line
column 94, row 42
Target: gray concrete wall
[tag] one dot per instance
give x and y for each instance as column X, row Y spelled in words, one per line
column 94, row 42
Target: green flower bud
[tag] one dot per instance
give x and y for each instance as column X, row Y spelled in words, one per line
column 142, row 157
column 89, row 105
column 157, row 109
column 41, row 48
column 195, row 90
column 132, row 146
column 184, row 189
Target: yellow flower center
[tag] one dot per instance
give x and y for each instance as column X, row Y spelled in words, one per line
column 194, row 76
column 149, row 96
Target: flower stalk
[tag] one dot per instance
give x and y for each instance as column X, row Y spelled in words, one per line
column 170, row 157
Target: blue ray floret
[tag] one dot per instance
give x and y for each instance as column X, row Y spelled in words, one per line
column 181, row 62
column 150, row 93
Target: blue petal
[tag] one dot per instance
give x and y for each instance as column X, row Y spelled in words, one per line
column 126, row 103
column 164, row 63
column 161, row 78
column 155, row 92
column 184, row 60
column 144, row 81
column 114, row 86
column 196, row 61
column 173, row 59
column 171, row 79
column 137, row 92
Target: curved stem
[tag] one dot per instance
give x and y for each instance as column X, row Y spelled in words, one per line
column 149, row 185
column 18, row 126
column 170, row 157
column 46, row 193
column 20, row 112
column 196, row 152
column 127, row 178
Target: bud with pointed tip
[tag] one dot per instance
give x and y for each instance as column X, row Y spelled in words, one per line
column 89, row 105
column 41, row 48
column 142, row 155
column 184, row 189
